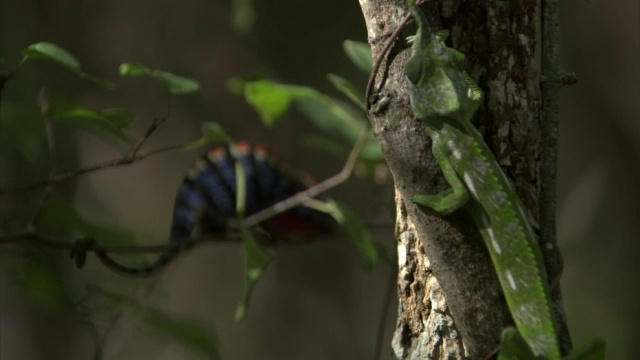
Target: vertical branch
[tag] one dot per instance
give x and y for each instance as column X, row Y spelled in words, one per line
column 553, row 77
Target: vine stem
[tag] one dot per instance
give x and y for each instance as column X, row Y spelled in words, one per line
column 553, row 79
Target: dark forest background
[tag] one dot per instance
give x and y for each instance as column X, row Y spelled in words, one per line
column 315, row 301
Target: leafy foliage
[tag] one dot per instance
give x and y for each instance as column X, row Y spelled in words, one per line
column 177, row 85
column 52, row 52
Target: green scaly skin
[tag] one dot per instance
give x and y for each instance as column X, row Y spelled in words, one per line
column 445, row 98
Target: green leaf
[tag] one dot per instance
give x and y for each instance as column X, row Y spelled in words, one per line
column 49, row 51
column 196, row 144
column 192, row 334
column 214, row 132
column 356, row 231
column 347, row 88
column 326, row 144
column 272, row 100
column 360, row 55
column 256, row 261
column 107, row 124
column 177, row 85
column 52, row 52
column 333, row 116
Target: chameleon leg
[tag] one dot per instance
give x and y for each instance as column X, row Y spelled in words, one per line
column 514, row 346
column 450, row 200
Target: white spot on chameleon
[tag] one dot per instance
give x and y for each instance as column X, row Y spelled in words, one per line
column 455, row 151
column 511, row 280
column 492, row 235
column 470, row 185
column 494, row 243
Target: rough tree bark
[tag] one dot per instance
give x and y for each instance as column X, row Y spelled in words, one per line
column 451, row 305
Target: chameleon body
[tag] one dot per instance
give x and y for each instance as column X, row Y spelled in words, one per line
column 445, row 98
column 206, row 201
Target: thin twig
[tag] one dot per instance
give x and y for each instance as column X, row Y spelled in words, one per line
column 551, row 70
column 132, row 156
column 315, row 190
column 58, row 178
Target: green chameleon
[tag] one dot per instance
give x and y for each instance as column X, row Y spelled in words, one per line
column 445, row 98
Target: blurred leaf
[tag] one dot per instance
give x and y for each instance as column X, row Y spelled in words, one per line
column 42, row 284
column 192, row 334
column 360, row 55
column 272, row 100
column 104, row 124
column 356, row 231
column 243, row 16
column 371, row 150
column 58, row 213
column 214, row 132
column 326, row 144
column 22, row 131
column 347, row 88
column 235, row 85
column 196, row 144
column 49, row 51
column 333, row 116
column 52, row 52
column 177, row 85
column 256, row 261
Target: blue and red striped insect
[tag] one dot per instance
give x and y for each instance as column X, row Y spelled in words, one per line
column 206, row 201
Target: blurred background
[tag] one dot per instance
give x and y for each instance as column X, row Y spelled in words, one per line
column 315, row 301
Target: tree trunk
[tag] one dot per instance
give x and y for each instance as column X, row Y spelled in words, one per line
column 451, row 305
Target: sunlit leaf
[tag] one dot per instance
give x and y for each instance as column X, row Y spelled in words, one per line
column 256, row 261
column 360, row 55
column 272, row 100
column 193, row 334
column 347, row 88
column 177, row 85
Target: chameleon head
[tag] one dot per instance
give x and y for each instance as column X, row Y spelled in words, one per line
column 439, row 83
